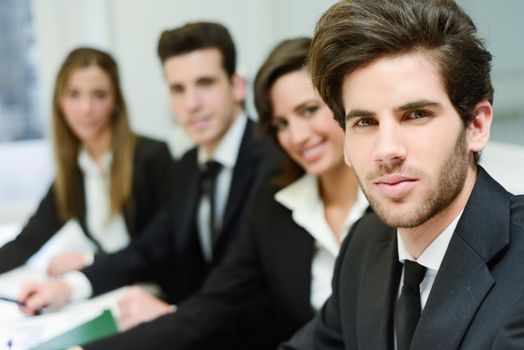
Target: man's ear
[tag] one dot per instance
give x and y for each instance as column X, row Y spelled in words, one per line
column 479, row 129
column 239, row 88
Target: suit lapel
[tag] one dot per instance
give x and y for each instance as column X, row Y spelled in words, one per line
column 81, row 205
column 294, row 273
column 461, row 284
column 377, row 294
column 243, row 174
column 464, row 279
column 187, row 196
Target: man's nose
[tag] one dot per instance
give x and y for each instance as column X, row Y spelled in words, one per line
column 390, row 147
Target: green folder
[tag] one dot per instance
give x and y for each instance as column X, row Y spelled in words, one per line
column 99, row 327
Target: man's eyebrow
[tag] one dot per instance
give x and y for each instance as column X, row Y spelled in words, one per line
column 206, row 78
column 359, row 113
column 419, row 104
column 175, row 85
column 405, row 107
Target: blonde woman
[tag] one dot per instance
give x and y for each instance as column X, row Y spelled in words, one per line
column 107, row 178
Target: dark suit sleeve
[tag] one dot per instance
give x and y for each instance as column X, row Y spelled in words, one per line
column 511, row 334
column 159, row 166
column 232, row 298
column 324, row 332
column 143, row 258
column 39, row 229
column 303, row 338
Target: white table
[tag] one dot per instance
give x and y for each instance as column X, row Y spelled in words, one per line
column 26, row 331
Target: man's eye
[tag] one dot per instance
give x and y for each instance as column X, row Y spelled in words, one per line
column 362, row 122
column 206, row 82
column 418, row 114
column 176, row 90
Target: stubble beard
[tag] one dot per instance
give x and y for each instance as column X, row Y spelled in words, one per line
column 445, row 189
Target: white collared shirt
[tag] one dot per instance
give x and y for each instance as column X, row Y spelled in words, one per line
column 110, row 232
column 226, row 154
column 303, row 199
column 431, row 258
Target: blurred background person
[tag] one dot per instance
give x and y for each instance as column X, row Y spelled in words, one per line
column 109, row 179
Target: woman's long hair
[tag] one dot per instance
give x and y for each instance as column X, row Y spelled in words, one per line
column 67, row 145
column 287, row 57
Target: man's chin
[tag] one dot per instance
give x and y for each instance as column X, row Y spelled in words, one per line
column 398, row 215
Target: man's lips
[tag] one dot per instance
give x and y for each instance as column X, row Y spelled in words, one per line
column 395, row 186
column 199, row 123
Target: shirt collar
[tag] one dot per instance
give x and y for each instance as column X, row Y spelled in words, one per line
column 227, row 150
column 303, row 199
column 433, row 255
column 88, row 165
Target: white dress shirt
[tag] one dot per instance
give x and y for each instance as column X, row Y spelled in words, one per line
column 303, row 199
column 226, row 154
column 110, row 232
column 431, row 259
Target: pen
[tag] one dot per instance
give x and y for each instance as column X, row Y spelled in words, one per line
column 19, row 303
column 12, row 300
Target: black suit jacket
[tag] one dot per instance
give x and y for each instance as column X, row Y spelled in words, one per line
column 169, row 252
column 153, row 171
column 480, row 279
column 511, row 335
column 258, row 297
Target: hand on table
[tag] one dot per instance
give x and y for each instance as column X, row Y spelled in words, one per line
column 138, row 306
column 66, row 262
column 36, row 296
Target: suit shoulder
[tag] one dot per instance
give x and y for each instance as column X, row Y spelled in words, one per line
column 265, row 193
column 189, row 158
column 370, row 230
column 144, row 143
column 517, row 211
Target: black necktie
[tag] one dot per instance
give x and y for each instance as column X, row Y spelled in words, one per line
column 408, row 308
column 210, row 170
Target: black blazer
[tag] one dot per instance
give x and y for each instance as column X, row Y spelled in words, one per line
column 480, row 279
column 258, row 297
column 153, row 171
column 169, row 252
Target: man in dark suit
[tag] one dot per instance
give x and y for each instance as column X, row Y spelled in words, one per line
column 191, row 235
column 438, row 263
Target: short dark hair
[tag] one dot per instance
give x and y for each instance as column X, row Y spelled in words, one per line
column 195, row 36
column 353, row 33
column 288, row 56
